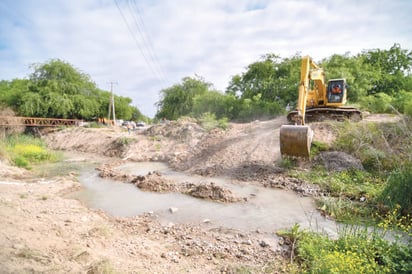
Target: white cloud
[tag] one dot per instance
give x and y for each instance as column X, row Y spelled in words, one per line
column 214, row 39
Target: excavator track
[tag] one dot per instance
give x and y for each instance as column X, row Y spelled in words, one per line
column 319, row 114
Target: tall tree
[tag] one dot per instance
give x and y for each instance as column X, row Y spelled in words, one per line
column 272, row 79
column 178, row 100
column 60, row 77
column 393, row 69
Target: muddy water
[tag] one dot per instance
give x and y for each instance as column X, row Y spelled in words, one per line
column 266, row 210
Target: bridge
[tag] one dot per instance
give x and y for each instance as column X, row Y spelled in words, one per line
column 7, row 121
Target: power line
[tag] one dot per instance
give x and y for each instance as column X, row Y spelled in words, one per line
column 151, row 66
column 146, row 37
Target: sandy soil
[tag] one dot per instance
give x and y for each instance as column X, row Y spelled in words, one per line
column 44, row 232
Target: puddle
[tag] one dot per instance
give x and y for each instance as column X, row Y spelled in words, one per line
column 266, row 210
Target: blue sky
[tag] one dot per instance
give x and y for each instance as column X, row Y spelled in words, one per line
column 149, row 45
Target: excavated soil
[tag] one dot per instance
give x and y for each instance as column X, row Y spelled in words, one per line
column 44, row 232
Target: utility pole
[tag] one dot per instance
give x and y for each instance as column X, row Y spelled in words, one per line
column 111, row 103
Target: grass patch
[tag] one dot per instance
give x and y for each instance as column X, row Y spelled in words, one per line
column 381, row 147
column 208, row 121
column 317, row 147
column 351, row 194
column 26, row 150
column 124, row 141
column 103, row 266
column 357, row 249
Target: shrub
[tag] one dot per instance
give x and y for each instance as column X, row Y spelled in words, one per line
column 378, row 103
column 318, row 147
column 208, row 121
column 356, row 250
column 380, row 147
column 398, row 190
column 24, row 150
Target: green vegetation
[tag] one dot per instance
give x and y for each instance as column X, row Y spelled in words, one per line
column 25, row 150
column 378, row 197
column 208, row 121
column 356, row 250
column 57, row 90
column 379, row 81
column 353, row 195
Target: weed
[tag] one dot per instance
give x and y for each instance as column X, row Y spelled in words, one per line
column 158, row 146
column 103, row 266
column 356, row 250
column 124, row 141
column 318, row 147
column 208, row 121
column 292, row 236
column 28, row 253
column 398, row 189
column 25, row 150
column 288, row 163
column 23, row 196
column 155, row 138
column 380, row 147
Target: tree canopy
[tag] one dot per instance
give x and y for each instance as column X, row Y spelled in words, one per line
column 57, row 89
column 376, row 79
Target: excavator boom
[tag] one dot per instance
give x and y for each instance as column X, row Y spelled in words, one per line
column 295, row 140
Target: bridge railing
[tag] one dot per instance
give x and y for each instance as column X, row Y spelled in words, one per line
column 37, row 122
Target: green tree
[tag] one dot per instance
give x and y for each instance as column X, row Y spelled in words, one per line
column 12, row 91
column 57, row 89
column 354, row 69
column 178, row 100
column 60, row 77
column 32, row 105
column 393, row 69
column 272, row 79
column 212, row 102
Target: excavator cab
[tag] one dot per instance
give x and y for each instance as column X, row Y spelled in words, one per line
column 336, row 92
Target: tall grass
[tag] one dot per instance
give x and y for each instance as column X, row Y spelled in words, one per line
column 25, row 150
column 358, row 249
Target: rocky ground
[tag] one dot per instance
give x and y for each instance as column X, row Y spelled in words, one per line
column 45, row 232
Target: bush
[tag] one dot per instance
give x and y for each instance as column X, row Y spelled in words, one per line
column 378, row 103
column 24, row 150
column 398, row 190
column 380, row 147
column 208, row 121
column 356, row 250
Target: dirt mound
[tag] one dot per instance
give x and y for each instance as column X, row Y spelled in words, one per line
column 338, row 161
column 179, row 130
column 211, row 192
column 155, row 182
column 8, row 171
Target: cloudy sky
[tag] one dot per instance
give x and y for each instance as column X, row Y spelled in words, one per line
column 148, row 45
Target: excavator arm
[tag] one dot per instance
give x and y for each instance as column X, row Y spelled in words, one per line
column 295, row 140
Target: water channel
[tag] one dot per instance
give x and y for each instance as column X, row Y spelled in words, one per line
column 266, row 209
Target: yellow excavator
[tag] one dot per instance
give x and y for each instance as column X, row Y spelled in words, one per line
column 317, row 102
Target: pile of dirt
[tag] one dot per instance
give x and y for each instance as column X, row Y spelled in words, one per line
column 211, row 192
column 155, row 182
column 338, row 161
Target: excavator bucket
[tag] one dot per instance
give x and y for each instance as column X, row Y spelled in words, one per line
column 295, row 141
